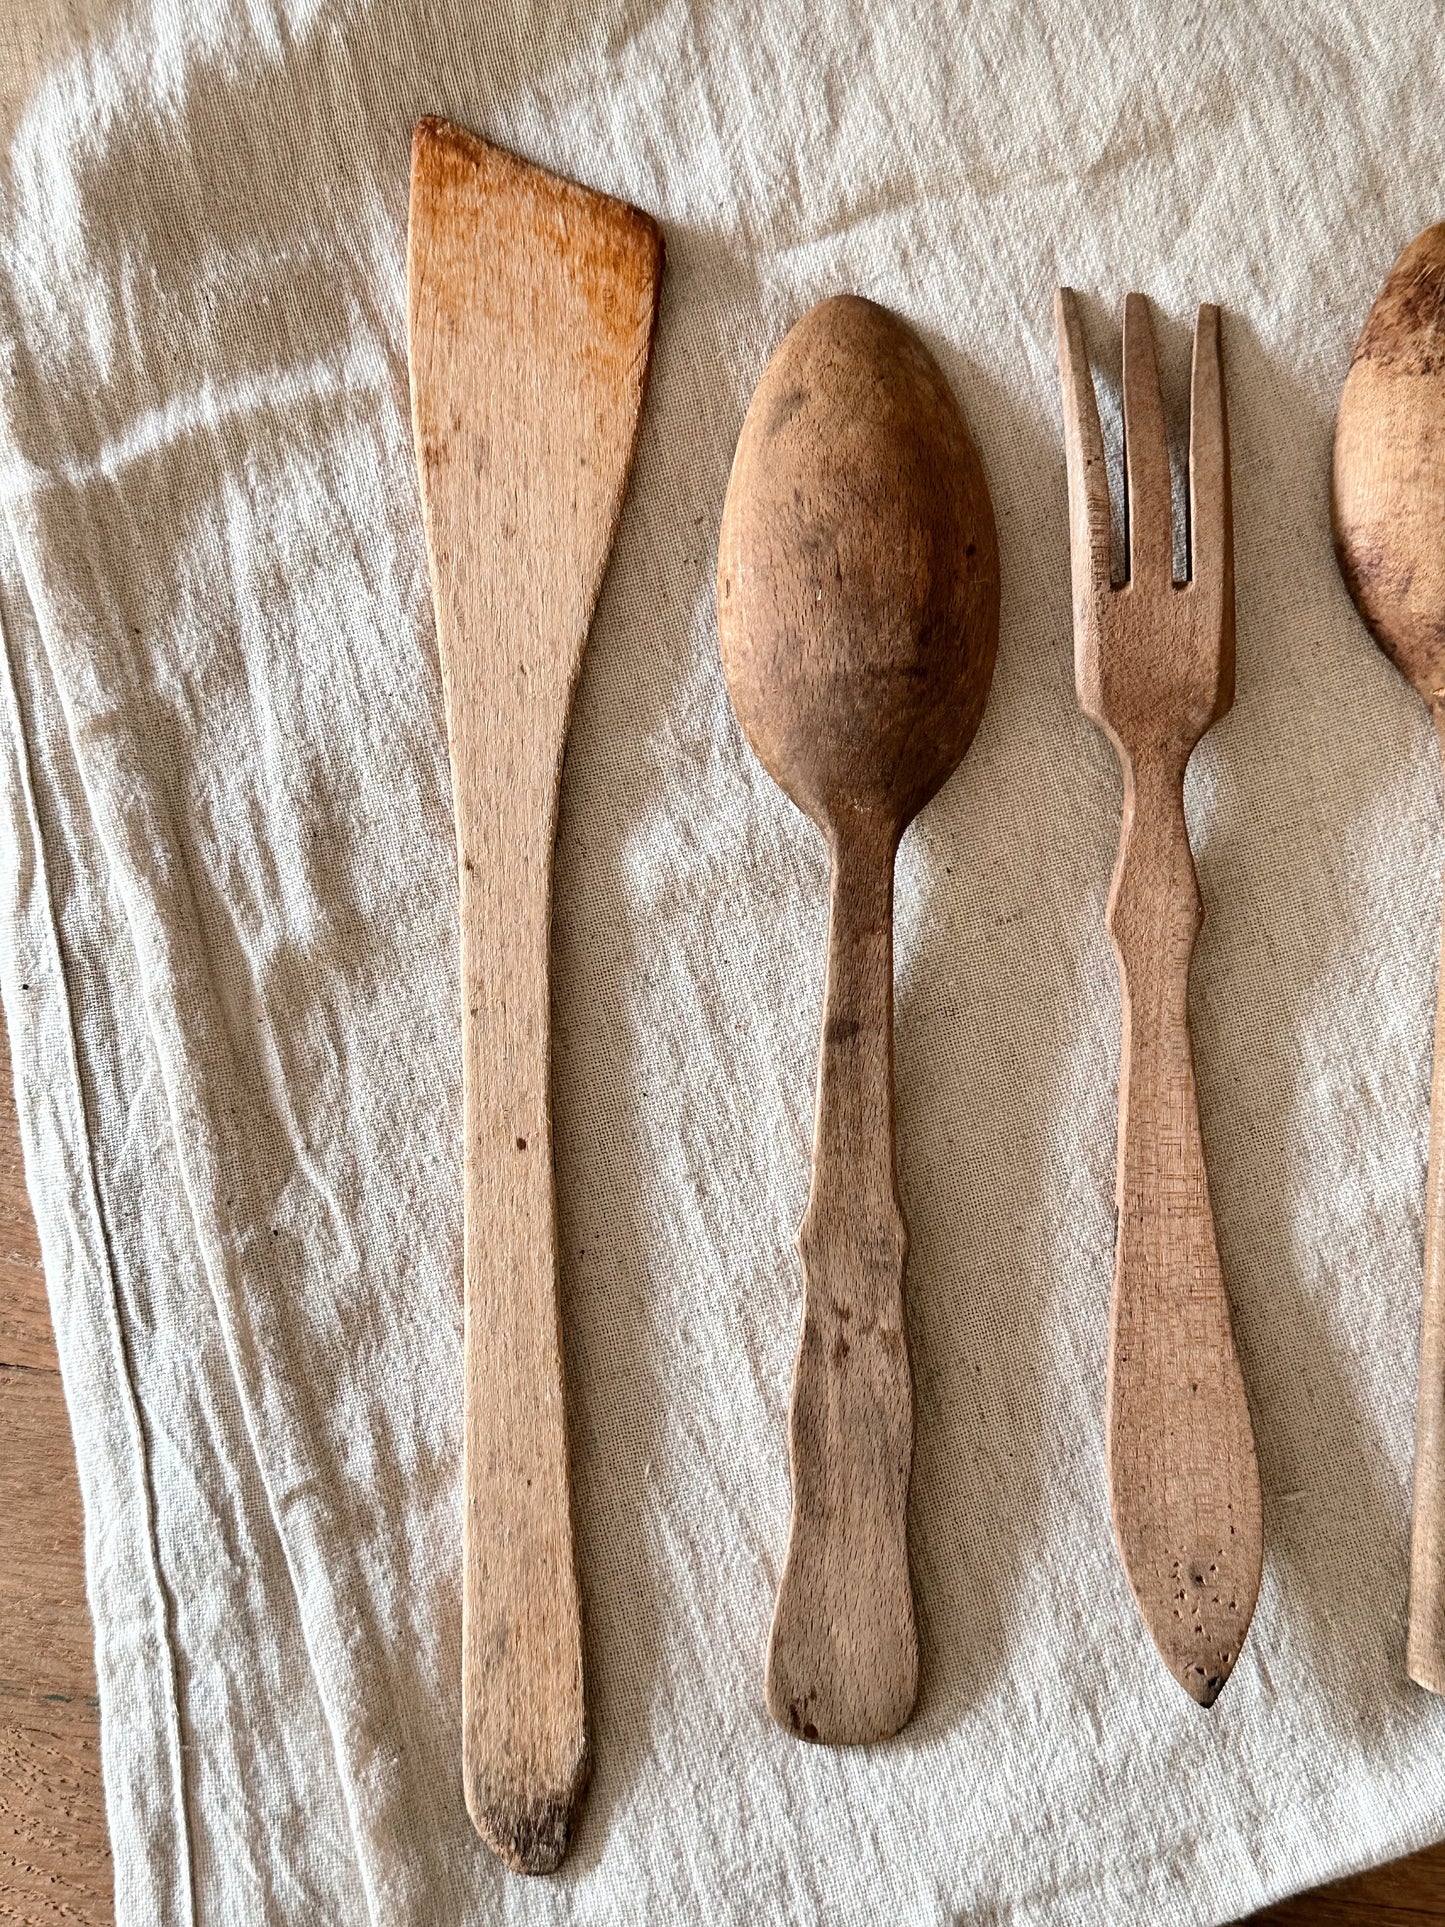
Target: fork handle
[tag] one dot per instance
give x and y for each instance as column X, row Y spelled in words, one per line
column 1183, row 1478
column 1425, row 1648
column 843, row 1654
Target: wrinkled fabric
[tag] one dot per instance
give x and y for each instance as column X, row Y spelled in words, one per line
column 228, row 961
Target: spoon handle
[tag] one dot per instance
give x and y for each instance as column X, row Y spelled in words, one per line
column 1183, row 1479
column 843, row 1657
column 1425, row 1649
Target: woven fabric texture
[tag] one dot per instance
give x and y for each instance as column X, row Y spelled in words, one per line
column 228, row 960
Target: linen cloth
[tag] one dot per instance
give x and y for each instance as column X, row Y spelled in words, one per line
column 229, row 962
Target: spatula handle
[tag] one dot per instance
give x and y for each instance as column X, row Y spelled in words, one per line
column 843, row 1657
column 1425, row 1650
column 524, row 1738
column 1183, row 1479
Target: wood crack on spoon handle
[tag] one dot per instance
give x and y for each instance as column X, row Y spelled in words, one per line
column 843, row 1656
column 1183, row 1478
column 1425, row 1649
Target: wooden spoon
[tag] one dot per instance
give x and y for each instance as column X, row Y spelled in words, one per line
column 1389, row 526
column 858, row 594
column 532, row 304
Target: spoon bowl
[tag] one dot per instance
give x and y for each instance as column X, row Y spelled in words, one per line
column 1388, row 499
column 858, row 578
column 858, row 596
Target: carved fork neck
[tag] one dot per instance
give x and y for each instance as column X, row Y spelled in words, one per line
column 1155, row 909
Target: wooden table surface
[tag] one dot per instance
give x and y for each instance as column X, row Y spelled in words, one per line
column 54, row 1854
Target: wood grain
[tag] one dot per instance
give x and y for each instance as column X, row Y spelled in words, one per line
column 858, row 596
column 532, row 307
column 843, row 1651
column 1388, row 506
column 1406, row 1893
column 54, row 1851
column 1154, row 663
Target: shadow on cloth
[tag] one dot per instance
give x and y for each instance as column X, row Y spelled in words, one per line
column 632, row 725
column 1336, row 1511
column 979, row 1089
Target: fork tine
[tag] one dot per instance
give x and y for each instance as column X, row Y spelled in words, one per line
column 1148, row 515
column 1083, row 452
column 1211, row 530
column 1211, row 521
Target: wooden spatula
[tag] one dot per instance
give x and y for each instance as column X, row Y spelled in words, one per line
column 532, row 306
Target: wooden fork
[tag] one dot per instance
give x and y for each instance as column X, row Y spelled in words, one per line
column 1154, row 667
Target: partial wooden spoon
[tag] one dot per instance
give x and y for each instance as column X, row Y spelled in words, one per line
column 1389, row 525
column 532, row 304
column 858, row 594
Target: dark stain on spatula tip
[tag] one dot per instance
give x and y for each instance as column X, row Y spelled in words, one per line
column 615, row 248
column 529, row 1836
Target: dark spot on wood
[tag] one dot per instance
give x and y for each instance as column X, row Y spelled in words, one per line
column 787, row 405
column 531, row 1836
column 521, row 1144
column 1405, row 331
